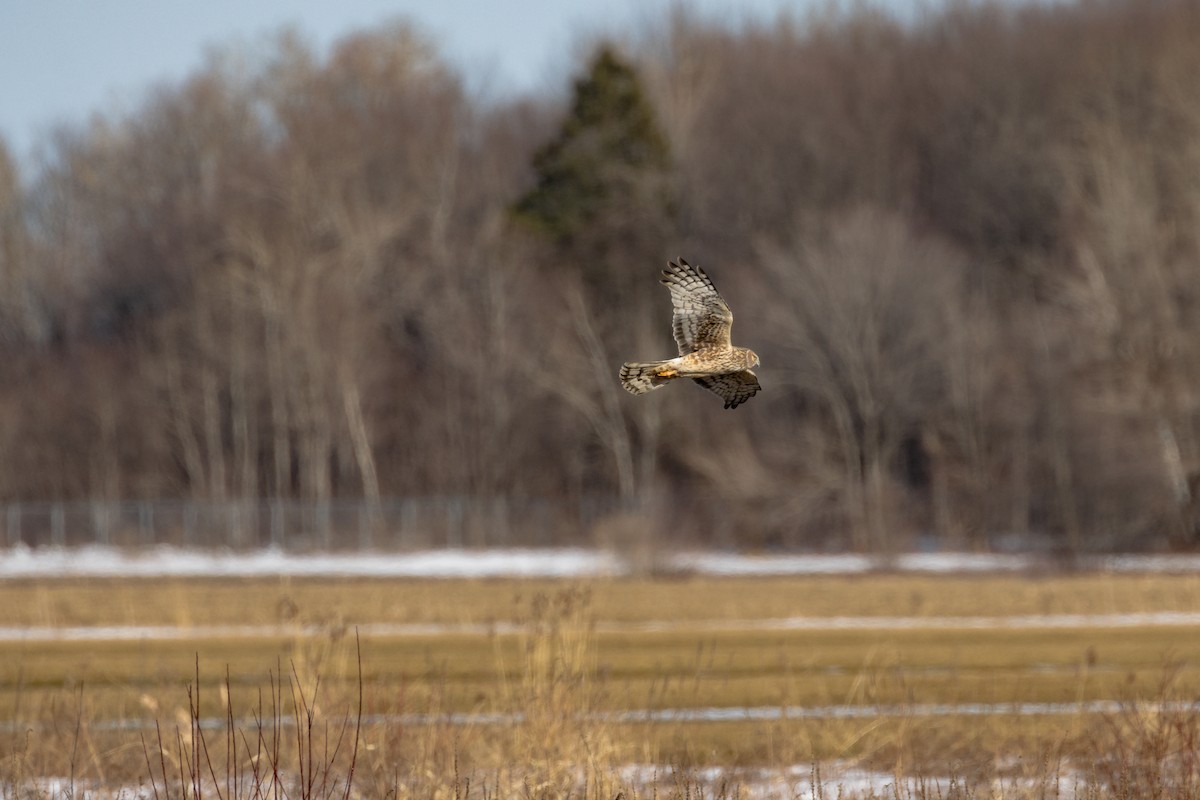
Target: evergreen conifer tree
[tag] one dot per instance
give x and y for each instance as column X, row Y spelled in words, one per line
column 602, row 180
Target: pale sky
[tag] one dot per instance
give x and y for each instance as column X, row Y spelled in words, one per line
column 62, row 60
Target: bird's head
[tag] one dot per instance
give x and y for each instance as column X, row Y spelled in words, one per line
column 751, row 359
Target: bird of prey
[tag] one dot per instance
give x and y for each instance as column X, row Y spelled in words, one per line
column 701, row 323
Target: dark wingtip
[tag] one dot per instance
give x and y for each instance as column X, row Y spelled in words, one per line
column 681, row 269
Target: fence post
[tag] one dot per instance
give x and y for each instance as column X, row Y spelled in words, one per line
column 364, row 528
column 498, row 531
column 324, row 524
column 454, row 522
column 100, row 521
column 276, row 524
column 13, row 523
column 189, row 523
column 408, row 515
column 146, row 523
column 58, row 525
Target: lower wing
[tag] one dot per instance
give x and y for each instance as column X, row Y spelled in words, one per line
column 734, row 388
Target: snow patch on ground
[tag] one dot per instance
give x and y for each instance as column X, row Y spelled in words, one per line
column 831, row 779
column 843, row 779
column 167, row 561
column 137, row 633
column 101, row 561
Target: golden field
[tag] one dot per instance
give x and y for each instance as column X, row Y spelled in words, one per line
column 487, row 676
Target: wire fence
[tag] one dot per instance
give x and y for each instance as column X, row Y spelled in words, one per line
column 391, row 524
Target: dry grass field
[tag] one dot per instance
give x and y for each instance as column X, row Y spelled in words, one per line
column 557, row 687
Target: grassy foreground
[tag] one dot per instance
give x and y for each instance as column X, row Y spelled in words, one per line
column 439, row 704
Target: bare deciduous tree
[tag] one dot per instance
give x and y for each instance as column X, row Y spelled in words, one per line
column 862, row 333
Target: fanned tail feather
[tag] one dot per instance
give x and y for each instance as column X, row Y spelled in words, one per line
column 639, row 378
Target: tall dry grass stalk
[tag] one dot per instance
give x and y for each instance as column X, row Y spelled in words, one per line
column 290, row 749
column 559, row 744
column 1151, row 749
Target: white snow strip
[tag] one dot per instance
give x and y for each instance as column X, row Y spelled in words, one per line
column 100, row 561
column 1065, row 621
column 829, row 779
column 801, row 782
column 129, row 633
column 166, row 561
column 937, row 563
column 704, row 714
column 737, row 564
column 844, row 780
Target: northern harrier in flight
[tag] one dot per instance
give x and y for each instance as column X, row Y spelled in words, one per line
column 701, row 323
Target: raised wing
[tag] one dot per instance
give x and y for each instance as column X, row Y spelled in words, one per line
column 701, row 319
column 734, row 388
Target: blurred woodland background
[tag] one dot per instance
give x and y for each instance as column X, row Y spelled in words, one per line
column 966, row 247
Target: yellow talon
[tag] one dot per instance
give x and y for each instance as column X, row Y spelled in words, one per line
column 667, row 373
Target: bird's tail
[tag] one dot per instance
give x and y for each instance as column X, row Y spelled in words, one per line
column 639, row 378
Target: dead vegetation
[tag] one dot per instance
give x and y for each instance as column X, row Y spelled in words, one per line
column 552, row 701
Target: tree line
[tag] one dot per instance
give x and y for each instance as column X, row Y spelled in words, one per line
column 965, row 245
